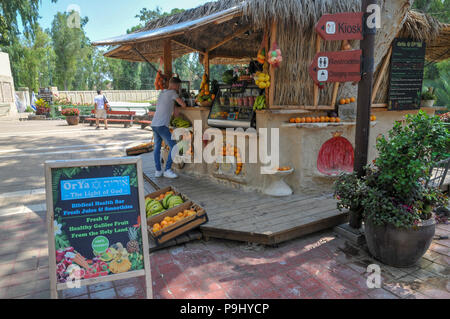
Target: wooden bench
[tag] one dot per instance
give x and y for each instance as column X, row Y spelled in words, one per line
column 145, row 123
column 127, row 122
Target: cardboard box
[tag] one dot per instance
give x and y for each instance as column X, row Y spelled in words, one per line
column 180, row 227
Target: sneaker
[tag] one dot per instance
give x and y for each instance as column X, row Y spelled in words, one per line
column 97, row 128
column 106, row 128
column 170, row 174
column 158, row 173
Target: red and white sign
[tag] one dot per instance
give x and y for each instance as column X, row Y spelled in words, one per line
column 341, row 66
column 341, row 26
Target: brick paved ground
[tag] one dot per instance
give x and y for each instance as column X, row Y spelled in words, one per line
column 318, row 266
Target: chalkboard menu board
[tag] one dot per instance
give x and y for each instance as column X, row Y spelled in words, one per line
column 406, row 78
column 97, row 225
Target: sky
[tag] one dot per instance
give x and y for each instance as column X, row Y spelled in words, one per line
column 109, row 18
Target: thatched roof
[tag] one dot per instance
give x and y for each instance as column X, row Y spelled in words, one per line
column 201, row 28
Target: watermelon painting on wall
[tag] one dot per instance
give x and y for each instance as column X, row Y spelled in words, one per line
column 336, row 156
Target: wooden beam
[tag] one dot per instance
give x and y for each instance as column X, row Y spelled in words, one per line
column 316, row 87
column 381, row 74
column 168, row 57
column 187, row 46
column 142, row 56
column 206, row 64
column 228, row 38
column 273, row 38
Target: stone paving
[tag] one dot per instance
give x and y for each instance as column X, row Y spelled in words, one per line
column 321, row 265
column 318, row 266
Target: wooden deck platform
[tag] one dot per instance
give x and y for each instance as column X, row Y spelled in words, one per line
column 252, row 217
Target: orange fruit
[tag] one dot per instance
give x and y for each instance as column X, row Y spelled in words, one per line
column 302, row 120
column 347, row 101
column 327, row 119
column 298, row 120
column 292, row 120
column 332, row 119
column 342, row 101
column 323, row 119
column 352, row 99
column 308, row 120
column 338, row 120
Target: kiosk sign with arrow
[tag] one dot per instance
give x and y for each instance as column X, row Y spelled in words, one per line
column 341, row 66
column 341, row 26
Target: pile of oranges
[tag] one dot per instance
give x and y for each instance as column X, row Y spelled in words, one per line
column 166, row 222
column 316, row 119
column 373, row 118
column 347, row 101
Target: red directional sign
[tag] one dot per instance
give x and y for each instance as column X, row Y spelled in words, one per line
column 341, row 26
column 341, row 66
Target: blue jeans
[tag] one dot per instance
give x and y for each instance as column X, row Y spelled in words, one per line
column 161, row 133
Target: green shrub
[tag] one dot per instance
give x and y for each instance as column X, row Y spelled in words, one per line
column 393, row 190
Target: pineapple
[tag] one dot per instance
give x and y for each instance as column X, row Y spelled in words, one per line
column 133, row 244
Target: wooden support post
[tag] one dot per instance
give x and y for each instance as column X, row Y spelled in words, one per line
column 364, row 98
column 206, row 64
column 381, row 74
column 168, row 57
column 316, row 87
column 271, row 89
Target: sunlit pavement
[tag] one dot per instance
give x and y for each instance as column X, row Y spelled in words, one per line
column 318, row 266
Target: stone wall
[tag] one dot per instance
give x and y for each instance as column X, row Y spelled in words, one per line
column 7, row 105
column 87, row 97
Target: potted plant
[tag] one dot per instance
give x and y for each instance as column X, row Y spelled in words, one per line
column 392, row 197
column 72, row 116
column 42, row 107
column 428, row 98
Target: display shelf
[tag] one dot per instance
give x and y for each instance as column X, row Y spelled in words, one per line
column 322, row 125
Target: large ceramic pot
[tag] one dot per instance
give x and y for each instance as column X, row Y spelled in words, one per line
column 73, row 120
column 399, row 247
column 427, row 103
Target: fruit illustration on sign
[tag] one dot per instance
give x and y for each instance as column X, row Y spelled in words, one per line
column 133, row 244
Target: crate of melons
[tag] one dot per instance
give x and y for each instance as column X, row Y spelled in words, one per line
column 162, row 200
column 175, row 222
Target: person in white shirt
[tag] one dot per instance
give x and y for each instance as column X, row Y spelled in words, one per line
column 160, row 125
column 100, row 109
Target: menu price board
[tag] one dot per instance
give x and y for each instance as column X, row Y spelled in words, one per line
column 406, row 78
column 96, row 222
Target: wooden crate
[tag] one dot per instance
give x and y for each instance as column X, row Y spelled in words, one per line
column 165, row 190
column 179, row 228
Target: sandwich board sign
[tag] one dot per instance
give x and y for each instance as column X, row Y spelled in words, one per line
column 96, row 221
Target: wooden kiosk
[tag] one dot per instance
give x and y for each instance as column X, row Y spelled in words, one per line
column 231, row 32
